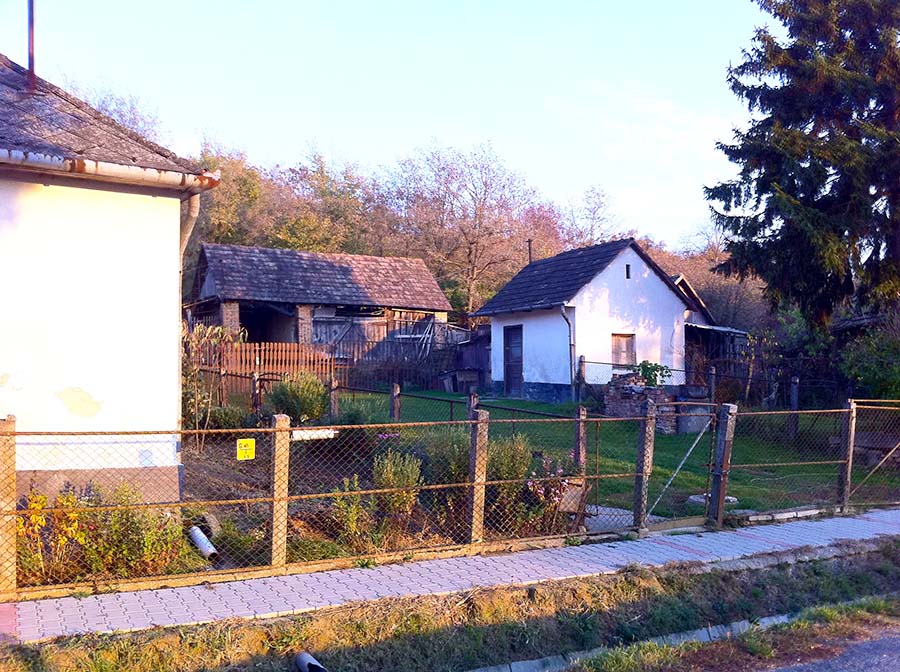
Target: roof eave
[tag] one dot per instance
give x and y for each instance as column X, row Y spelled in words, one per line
column 101, row 171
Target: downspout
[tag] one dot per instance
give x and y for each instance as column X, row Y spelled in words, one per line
column 187, row 223
column 562, row 311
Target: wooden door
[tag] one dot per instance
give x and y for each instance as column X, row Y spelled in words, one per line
column 512, row 360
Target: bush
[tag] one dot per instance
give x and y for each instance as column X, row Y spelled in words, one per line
column 872, row 360
column 225, row 417
column 362, row 412
column 80, row 540
column 302, row 397
column 447, row 453
column 397, row 470
column 653, row 374
column 351, row 516
column 508, row 459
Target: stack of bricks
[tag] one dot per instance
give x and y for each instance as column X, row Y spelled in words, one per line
column 626, row 395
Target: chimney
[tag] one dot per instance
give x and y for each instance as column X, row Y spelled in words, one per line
column 32, row 84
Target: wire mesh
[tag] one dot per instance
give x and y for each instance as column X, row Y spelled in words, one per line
column 876, row 454
column 786, row 460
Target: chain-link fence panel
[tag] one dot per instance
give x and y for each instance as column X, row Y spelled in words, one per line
column 876, row 454
column 786, row 460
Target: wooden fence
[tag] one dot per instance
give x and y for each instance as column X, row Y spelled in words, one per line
column 236, row 366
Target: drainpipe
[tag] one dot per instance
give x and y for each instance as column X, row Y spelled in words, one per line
column 562, row 311
column 187, row 222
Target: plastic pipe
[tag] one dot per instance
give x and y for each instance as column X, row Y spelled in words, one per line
column 202, row 542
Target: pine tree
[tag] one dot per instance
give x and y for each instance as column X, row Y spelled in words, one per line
column 815, row 210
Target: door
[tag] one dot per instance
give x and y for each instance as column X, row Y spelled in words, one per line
column 512, row 360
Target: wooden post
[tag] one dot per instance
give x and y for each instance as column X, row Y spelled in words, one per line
column 848, row 439
column 395, row 402
column 722, row 463
column 334, row 397
column 255, row 396
column 582, row 376
column 478, row 457
column 282, row 438
column 580, row 452
column 644, row 464
column 793, row 420
column 7, row 508
column 711, row 384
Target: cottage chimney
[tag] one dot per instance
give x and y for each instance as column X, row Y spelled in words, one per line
column 32, row 83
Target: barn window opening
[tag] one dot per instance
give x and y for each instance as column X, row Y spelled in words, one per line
column 628, row 271
column 623, row 350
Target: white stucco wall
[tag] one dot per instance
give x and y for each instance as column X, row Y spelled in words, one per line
column 643, row 305
column 90, row 323
column 545, row 349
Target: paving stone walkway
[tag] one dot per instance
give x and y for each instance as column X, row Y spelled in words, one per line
column 38, row 620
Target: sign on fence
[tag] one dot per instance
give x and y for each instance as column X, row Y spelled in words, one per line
column 246, row 449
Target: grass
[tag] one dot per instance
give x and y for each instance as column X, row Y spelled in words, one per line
column 819, row 633
column 483, row 627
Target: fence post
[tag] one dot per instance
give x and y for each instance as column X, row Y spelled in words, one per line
column 472, row 403
column 848, row 439
column 711, row 384
column 644, row 464
column 582, row 376
column 580, row 452
column 793, row 420
column 282, row 437
column 255, row 396
column 722, row 463
column 478, row 457
column 334, row 399
column 8, row 503
column 395, row 402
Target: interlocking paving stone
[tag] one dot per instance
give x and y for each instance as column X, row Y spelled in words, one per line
column 284, row 595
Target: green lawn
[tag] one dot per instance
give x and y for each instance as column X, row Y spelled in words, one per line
column 612, row 446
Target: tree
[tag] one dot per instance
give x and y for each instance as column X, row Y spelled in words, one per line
column 815, row 209
column 128, row 110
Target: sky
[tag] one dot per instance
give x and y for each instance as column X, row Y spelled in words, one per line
column 626, row 96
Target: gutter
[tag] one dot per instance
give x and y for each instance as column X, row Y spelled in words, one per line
column 110, row 172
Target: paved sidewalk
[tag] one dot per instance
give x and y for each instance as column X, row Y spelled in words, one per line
column 286, row 595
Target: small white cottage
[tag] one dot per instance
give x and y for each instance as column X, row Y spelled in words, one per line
column 93, row 220
column 610, row 303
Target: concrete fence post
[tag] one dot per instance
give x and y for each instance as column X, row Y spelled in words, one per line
column 580, row 452
column 582, row 377
column 8, row 504
column 848, row 439
column 711, row 384
column 334, row 399
column 280, row 479
column 395, row 402
column 472, row 403
column 644, row 464
column 793, row 420
column 478, row 457
column 722, row 463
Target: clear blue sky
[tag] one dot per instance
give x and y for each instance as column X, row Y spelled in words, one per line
column 629, row 96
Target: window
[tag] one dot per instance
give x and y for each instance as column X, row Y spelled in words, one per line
column 623, row 350
column 628, row 271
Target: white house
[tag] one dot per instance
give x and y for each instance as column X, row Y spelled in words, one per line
column 93, row 222
column 610, row 303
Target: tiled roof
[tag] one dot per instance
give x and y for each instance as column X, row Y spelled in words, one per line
column 290, row 276
column 554, row 281
column 54, row 123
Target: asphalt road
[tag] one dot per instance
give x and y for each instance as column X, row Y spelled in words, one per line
column 878, row 655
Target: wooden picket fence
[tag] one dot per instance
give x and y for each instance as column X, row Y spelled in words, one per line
column 235, row 366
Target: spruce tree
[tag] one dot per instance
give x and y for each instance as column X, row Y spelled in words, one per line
column 815, row 210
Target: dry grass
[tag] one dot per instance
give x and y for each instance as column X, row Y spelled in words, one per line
column 482, row 627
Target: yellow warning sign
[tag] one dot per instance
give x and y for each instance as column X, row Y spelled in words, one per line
column 246, row 449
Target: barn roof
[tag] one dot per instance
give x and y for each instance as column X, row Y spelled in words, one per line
column 294, row 277
column 52, row 123
column 555, row 281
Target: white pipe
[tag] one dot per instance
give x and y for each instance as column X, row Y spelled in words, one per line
column 111, row 172
column 562, row 311
column 303, row 662
column 202, row 542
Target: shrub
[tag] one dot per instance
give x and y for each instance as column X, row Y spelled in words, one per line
column 362, row 412
column 302, row 397
column 654, row 374
column 508, row 459
column 351, row 515
column 447, row 452
column 49, row 548
column 397, row 470
column 225, row 417
column 872, row 360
